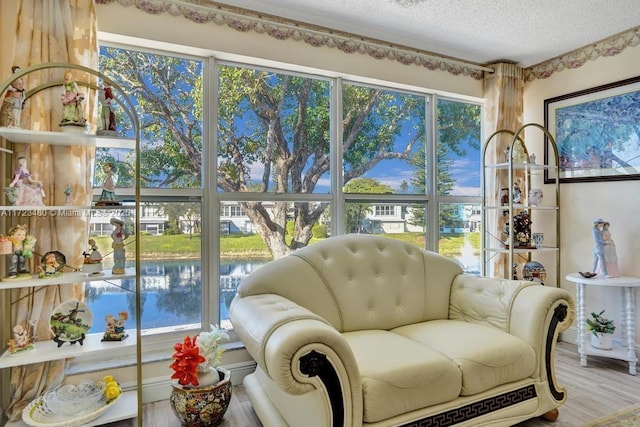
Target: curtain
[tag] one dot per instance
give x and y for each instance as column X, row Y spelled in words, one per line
column 52, row 31
column 503, row 93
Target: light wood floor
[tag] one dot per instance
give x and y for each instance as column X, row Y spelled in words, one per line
column 603, row 387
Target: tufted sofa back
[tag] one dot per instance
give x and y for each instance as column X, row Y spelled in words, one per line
column 360, row 282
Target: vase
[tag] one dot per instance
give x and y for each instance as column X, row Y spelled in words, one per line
column 202, row 406
column 602, row 341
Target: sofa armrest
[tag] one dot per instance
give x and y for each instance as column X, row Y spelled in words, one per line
column 300, row 351
column 519, row 307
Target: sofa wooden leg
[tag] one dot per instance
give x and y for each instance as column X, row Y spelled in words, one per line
column 552, row 415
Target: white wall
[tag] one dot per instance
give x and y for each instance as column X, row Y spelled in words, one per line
column 616, row 201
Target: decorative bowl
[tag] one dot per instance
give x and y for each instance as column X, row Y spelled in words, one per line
column 72, row 399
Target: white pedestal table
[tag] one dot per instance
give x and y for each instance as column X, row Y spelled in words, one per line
column 626, row 351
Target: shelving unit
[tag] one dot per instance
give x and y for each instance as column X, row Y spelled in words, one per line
column 499, row 210
column 129, row 404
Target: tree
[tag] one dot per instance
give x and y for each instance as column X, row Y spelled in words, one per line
column 273, row 133
column 458, row 127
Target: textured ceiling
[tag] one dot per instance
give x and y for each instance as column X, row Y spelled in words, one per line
column 526, row 32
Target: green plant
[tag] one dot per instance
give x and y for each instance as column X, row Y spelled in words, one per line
column 599, row 324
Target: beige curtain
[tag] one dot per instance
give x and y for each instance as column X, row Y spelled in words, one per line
column 52, row 31
column 503, row 93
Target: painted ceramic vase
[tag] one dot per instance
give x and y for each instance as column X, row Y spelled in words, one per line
column 202, row 406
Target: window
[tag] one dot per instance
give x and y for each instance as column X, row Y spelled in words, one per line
column 385, row 210
column 233, row 211
column 297, row 158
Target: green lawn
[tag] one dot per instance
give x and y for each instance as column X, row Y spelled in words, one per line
column 252, row 245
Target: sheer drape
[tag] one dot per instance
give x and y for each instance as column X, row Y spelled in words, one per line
column 503, row 93
column 52, row 31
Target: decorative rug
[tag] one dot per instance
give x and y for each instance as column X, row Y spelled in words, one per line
column 628, row 417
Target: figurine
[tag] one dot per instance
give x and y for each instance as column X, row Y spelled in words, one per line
column 72, row 115
column 108, row 196
column 516, row 192
column 107, row 116
column 610, row 254
column 504, row 199
column 114, row 330
column 118, row 235
column 68, row 191
column 522, row 227
column 27, row 190
column 92, row 260
column 52, row 264
column 535, row 196
column 23, row 246
column 598, row 248
column 13, row 102
column 23, row 339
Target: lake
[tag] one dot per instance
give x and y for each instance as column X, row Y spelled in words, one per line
column 171, row 293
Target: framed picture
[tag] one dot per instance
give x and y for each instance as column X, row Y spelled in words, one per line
column 597, row 132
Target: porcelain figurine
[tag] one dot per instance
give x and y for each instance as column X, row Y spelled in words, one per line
column 610, row 254
column 118, row 235
column 114, row 330
column 13, row 102
column 535, row 197
column 23, row 338
column 107, row 114
column 23, row 247
column 52, row 264
column 108, row 196
column 72, row 114
column 27, row 191
column 599, row 265
column 92, row 260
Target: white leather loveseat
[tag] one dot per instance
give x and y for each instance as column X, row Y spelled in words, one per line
column 366, row 330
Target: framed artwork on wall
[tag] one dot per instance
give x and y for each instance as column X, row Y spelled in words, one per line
column 597, row 131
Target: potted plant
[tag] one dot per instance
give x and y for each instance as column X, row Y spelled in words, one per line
column 602, row 330
column 202, row 393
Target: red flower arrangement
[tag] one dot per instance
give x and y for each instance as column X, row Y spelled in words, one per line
column 187, row 358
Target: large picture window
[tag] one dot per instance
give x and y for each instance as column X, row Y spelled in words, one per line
column 292, row 159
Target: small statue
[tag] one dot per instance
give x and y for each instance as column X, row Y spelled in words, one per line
column 114, row 330
column 52, row 264
column 23, row 247
column 599, row 265
column 516, row 192
column 13, row 102
column 107, row 116
column 27, row 191
column 108, row 196
column 610, row 253
column 504, row 199
column 23, row 338
column 535, row 196
column 522, row 231
column 92, row 260
column 72, row 114
column 118, row 235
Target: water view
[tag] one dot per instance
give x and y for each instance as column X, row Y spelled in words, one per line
column 171, row 293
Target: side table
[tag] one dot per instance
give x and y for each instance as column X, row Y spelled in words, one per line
column 625, row 351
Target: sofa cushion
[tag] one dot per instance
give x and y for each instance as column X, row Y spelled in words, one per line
column 486, row 356
column 400, row 375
